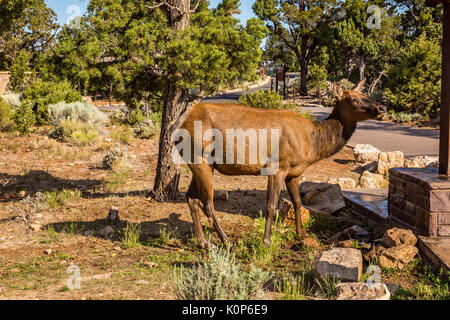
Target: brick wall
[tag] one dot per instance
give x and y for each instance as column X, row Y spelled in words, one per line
column 4, row 80
column 421, row 199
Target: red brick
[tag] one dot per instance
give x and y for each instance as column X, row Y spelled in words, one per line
column 440, row 201
column 443, row 218
column 443, row 231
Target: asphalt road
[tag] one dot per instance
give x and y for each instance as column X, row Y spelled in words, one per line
column 386, row 136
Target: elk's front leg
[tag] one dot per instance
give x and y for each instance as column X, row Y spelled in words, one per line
column 292, row 187
column 273, row 193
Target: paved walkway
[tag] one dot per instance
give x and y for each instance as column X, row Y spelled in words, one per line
column 386, row 136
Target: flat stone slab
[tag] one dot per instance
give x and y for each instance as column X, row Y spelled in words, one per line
column 437, row 250
column 362, row 291
column 341, row 263
column 372, row 203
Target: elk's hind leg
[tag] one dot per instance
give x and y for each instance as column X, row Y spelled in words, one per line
column 292, row 187
column 273, row 193
column 203, row 175
column 193, row 200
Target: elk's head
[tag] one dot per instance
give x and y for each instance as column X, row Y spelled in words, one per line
column 352, row 106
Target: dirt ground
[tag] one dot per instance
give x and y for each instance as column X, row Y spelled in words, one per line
column 34, row 263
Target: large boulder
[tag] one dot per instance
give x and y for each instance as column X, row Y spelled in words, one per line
column 344, row 264
column 396, row 237
column 422, row 162
column 362, row 291
column 370, row 180
column 397, row 257
column 344, row 183
column 365, row 153
column 323, row 197
column 387, row 160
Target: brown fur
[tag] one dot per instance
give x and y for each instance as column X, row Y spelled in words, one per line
column 302, row 143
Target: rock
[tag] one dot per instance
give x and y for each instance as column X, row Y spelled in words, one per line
column 113, row 216
column 353, row 232
column 370, row 166
column 370, row 180
column 287, row 213
column 322, row 197
column 221, row 195
column 143, row 282
column 362, row 291
column 344, row 183
column 106, row 231
column 311, row 242
column 35, row 227
column 48, row 251
column 88, row 233
column 396, row 237
column 397, row 257
column 373, row 253
column 387, row 160
column 22, row 194
column 365, row 153
column 421, row 162
column 341, row 263
column 150, row 264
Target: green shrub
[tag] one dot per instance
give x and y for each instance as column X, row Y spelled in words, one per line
column 122, row 134
column 402, row 117
column 24, row 118
column 112, row 157
column 219, row 279
column 263, row 99
column 42, row 94
column 18, row 71
column 75, row 132
column 77, row 111
column 146, row 129
column 5, row 113
column 414, row 82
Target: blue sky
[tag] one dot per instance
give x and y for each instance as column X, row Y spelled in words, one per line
column 68, row 8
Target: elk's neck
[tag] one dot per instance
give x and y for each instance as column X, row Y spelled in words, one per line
column 331, row 135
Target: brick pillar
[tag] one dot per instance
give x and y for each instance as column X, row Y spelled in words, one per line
column 420, row 197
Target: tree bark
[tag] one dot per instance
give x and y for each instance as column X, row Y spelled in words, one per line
column 362, row 67
column 303, row 61
column 167, row 172
column 175, row 103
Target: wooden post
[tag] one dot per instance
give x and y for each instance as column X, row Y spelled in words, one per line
column 444, row 146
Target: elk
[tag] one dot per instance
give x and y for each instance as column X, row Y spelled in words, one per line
column 301, row 143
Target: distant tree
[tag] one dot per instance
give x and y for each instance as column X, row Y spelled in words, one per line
column 354, row 44
column 25, row 26
column 302, row 26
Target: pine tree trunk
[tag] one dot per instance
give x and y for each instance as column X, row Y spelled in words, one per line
column 175, row 102
column 303, row 69
column 167, row 172
column 362, row 68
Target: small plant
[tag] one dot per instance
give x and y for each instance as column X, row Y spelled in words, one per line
column 122, row 135
column 119, row 178
column 327, row 287
column 146, row 129
column 32, row 205
column 112, row 157
column 5, row 113
column 59, row 198
column 24, row 118
column 76, row 111
column 75, row 132
column 294, row 288
column 131, row 235
column 219, row 279
column 263, row 99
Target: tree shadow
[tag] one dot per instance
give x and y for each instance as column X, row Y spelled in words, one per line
column 149, row 230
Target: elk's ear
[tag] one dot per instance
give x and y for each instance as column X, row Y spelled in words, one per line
column 360, row 86
column 337, row 89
